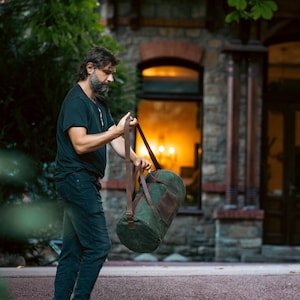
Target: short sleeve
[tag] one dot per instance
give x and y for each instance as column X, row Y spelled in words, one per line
column 77, row 114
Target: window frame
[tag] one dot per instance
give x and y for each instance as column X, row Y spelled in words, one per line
column 193, row 97
column 174, row 96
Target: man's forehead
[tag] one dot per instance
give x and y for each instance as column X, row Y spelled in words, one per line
column 109, row 67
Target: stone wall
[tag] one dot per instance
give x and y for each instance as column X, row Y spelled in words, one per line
column 237, row 239
column 192, row 237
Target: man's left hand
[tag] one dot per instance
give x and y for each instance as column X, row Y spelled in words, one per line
column 146, row 165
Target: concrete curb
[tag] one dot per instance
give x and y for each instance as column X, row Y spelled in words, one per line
column 165, row 270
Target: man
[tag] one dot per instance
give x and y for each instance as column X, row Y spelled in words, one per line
column 84, row 128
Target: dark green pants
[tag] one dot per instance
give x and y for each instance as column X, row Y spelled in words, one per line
column 85, row 238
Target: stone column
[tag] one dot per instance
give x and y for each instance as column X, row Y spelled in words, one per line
column 252, row 160
column 238, row 234
column 239, row 230
column 232, row 154
column 237, row 54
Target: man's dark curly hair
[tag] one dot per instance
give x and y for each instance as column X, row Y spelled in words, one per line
column 99, row 57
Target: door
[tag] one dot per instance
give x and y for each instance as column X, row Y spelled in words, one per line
column 280, row 197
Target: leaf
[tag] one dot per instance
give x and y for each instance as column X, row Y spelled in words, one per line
column 256, row 12
column 266, row 13
column 245, row 15
column 241, row 5
column 263, row 9
column 232, row 3
column 232, row 17
column 251, row 9
column 238, row 4
column 270, row 4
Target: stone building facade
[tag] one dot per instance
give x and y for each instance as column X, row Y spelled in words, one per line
column 229, row 222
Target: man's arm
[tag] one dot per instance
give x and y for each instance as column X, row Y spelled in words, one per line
column 84, row 143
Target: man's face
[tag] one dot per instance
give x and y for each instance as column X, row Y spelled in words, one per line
column 101, row 79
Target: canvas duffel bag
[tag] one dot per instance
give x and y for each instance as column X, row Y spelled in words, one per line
column 150, row 211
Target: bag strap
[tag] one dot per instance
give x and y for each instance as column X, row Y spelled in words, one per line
column 130, row 184
column 152, row 156
column 147, row 194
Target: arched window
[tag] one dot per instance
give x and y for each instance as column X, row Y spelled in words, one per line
column 170, row 114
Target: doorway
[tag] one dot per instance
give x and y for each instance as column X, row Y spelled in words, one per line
column 280, row 196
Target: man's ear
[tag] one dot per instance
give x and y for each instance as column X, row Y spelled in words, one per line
column 89, row 68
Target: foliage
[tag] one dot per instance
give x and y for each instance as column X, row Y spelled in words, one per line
column 251, row 10
column 41, row 44
column 29, row 207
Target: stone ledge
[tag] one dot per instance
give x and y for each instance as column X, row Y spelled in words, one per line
column 269, row 259
column 238, row 214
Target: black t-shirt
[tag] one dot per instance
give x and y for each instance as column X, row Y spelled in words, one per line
column 78, row 110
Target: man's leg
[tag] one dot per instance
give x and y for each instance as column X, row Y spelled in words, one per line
column 96, row 246
column 87, row 238
column 90, row 226
column 69, row 262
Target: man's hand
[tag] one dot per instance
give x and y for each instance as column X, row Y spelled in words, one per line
column 137, row 161
column 146, row 165
column 133, row 122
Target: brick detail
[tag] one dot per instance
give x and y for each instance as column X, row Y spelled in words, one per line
column 213, row 187
column 238, row 214
column 183, row 50
column 113, row 184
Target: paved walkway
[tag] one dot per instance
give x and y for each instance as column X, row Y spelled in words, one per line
column 168, row 281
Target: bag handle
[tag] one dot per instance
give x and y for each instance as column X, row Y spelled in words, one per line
column 130, row 184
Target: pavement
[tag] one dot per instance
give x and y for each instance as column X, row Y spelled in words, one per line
column 167, row 281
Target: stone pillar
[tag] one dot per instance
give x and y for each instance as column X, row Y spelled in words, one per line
column 238, row 234
column 252, row 160
column 232, row 155
column 239, row 229
column 238, row 54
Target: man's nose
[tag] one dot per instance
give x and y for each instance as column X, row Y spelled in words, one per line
column 110, row 78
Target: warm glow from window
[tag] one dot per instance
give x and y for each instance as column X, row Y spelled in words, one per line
column 171, row 71
column 171, row 150
column 144, row 152
column 172, row 143
column 284, row 60
column 161, row 148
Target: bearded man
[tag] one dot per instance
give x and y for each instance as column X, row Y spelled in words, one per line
column 84, row 128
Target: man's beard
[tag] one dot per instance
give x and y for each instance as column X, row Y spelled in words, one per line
column 97, row 86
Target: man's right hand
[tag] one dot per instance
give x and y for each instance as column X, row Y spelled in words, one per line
column 133, row 122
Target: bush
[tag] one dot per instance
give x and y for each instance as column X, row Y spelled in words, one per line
column 42, row 43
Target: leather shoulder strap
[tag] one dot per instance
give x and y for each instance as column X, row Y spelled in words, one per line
column 129, row 185
column 152, row 156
